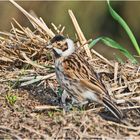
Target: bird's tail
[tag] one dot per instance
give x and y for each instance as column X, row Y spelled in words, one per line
column 113, row 108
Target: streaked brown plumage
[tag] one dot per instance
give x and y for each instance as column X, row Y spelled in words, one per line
column 77, row 77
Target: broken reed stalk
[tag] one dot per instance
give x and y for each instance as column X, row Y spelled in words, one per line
column 36, row 21
column 80, row 33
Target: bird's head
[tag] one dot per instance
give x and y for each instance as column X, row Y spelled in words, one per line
column 61, row 46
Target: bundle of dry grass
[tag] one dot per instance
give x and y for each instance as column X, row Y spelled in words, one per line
column 27, row 73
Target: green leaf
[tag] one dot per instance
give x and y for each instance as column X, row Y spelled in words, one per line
column 125, row 27
column 119, row 59
column 60, row 91
column 113, row 44
column 11, row 99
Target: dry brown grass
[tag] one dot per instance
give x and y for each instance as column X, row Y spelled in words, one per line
column 27, row 73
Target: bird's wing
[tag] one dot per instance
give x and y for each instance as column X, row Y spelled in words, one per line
column 76, row 68
column 113, row 108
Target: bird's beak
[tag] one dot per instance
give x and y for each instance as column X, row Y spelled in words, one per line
column 49, row 45
column 57, row 52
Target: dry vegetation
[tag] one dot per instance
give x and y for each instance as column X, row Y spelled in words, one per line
column 29, row 99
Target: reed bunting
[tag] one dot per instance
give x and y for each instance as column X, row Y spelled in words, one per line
column 77, row 77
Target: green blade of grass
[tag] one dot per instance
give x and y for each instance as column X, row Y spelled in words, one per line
column 113, row 44
column 125, row 27
column 119, row 59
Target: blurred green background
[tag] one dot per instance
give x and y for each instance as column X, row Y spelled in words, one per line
column 93, row 17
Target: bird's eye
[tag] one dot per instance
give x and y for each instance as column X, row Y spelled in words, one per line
column 58, row 44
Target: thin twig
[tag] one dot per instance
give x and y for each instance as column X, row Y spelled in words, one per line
column 115, row 72
column 130, row 107
column 37, row 79
column 124, row 126
column 46, row 107
column 29, row 61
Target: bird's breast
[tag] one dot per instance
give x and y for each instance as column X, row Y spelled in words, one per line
column 60, row 73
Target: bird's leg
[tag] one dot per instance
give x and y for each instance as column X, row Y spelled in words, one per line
column 74, row 102
column 83, row 103
column 78, row 104
column 64, row 96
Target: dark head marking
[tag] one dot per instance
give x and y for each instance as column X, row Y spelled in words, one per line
column 56, row 54
column 57, row 38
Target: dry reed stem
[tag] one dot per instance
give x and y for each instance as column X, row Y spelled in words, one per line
column 46, row 107
column 115, row 72
column 34, row 20
column 80, row 33
column 37, row 79
column 29, row 61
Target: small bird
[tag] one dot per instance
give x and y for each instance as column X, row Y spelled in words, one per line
column 77, row 77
